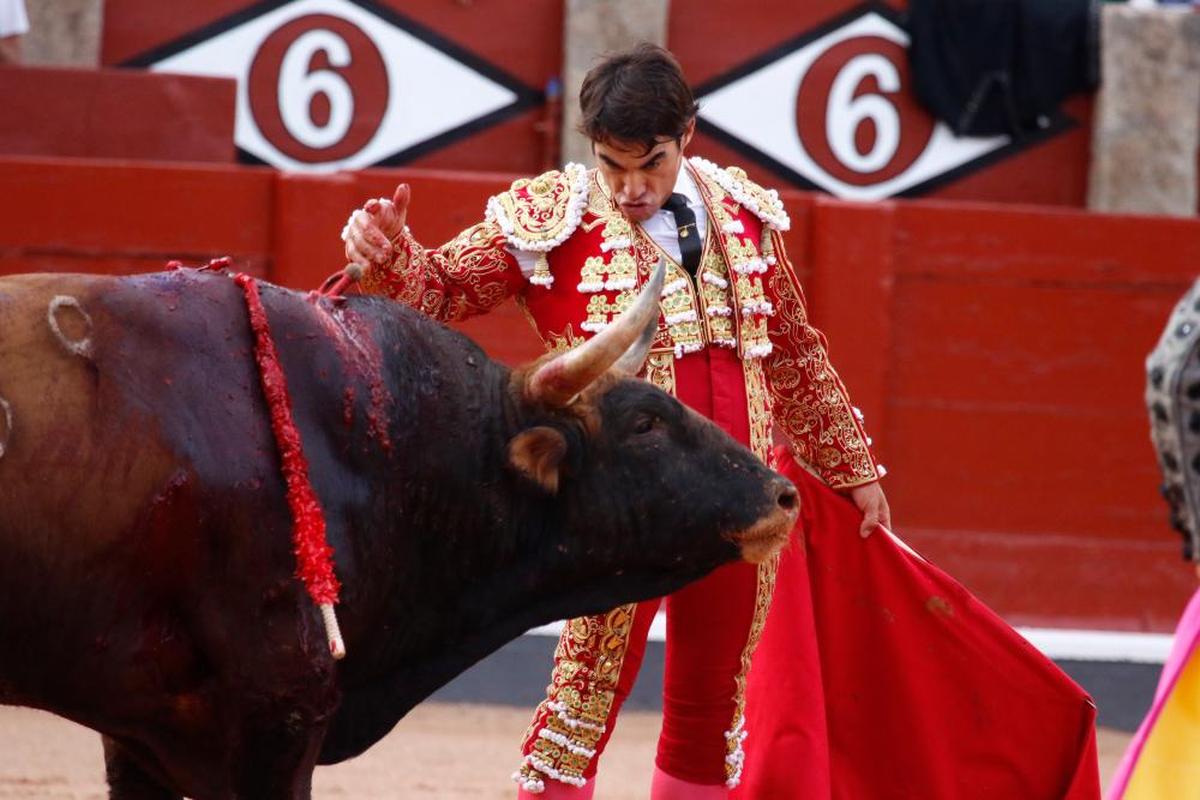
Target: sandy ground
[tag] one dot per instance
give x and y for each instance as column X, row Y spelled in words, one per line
column 439, row 750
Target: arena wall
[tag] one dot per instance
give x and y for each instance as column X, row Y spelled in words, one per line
column 996, row 349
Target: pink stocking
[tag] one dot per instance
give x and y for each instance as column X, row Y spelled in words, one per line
column 668, row 787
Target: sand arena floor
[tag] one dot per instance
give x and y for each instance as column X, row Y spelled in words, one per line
column 438, row 751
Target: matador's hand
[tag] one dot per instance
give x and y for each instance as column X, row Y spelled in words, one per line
column 874, row 506
column 371, row 229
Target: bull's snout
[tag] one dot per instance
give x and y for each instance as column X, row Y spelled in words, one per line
column 786, row 496
column 768, row 536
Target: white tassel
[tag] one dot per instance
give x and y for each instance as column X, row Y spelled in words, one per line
column 337, row 646
column 546, row 769
column 674, row 286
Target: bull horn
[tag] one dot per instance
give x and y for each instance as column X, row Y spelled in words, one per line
column 632, row 360
column 627, row 339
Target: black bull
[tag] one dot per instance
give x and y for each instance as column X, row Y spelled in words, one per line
column 147, row 578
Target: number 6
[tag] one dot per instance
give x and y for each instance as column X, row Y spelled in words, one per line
column 298, row 87
column 845, row 113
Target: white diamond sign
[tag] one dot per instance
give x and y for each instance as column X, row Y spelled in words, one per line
column 836, row 112
column 337, row 84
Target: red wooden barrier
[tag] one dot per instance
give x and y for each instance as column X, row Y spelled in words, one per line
column 96, row 216
column 996, row 350
column 1010, row 376
column 116, row 114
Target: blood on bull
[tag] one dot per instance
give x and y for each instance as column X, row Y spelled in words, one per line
column 148, row 573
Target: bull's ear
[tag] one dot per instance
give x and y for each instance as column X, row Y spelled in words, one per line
column 538, row 454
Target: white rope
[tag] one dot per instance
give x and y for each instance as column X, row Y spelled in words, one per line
column 82, row 347
column 8, row 425
column 337, row 647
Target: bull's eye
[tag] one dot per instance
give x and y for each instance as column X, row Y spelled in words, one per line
column 645, row 423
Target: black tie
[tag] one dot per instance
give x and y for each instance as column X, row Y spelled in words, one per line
column 689, row 236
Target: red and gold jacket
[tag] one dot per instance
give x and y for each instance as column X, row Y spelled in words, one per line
column 592, row 261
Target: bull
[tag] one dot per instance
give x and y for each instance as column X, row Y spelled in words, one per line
column 147, row 579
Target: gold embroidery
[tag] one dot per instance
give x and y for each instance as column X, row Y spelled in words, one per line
column 539, row 213
column 541, row 271
column 660, row 371
column 749, row 290
column 622, row 271
column 741, row 251
column 598, row 311
column 470, row 274
column 617, row 229
column 716, row 308
column 561, row 342
column 746, row 271
column 765, row 588
column 811, row 404
column 684, row 331
column 754, row 331
column 767, row 246
column 715, row 190
column 759, row 411
column 591, row 274
column 758, row 408
column 618, row 274
column 688, row 337
column 763, row 203
column 599, row 203
column 678, row 302
column 569, row 723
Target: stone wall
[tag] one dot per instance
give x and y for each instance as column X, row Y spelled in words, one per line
column 63, row 33
column 592, row 29
column 1145, row 133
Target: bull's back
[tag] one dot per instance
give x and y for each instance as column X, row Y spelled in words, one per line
column 141, row 502
column 100, row 379
column 141, row 506
column 73, row 459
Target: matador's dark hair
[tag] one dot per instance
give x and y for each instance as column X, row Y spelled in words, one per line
column 638, row 96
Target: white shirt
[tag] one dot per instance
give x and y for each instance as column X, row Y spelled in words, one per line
column 13, row 20
column 660, row 227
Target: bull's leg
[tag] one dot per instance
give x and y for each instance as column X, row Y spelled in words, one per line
column 126, row 778
column 276, row 760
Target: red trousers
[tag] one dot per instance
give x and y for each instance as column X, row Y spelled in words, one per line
column 710, row 625
column 707, row 626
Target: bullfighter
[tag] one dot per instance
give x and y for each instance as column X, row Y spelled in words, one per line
column 734, row 342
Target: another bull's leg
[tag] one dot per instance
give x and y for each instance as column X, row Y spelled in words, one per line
column 276, row 760
column 126, row 778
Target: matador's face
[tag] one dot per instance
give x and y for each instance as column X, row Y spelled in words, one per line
column 641, row 180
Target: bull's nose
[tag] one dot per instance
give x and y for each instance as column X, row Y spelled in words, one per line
column 786, row 495
column 770, row 533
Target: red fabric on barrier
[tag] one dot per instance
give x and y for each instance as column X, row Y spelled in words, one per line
column 878, row 676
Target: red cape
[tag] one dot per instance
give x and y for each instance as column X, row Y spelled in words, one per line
column 878, row 677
